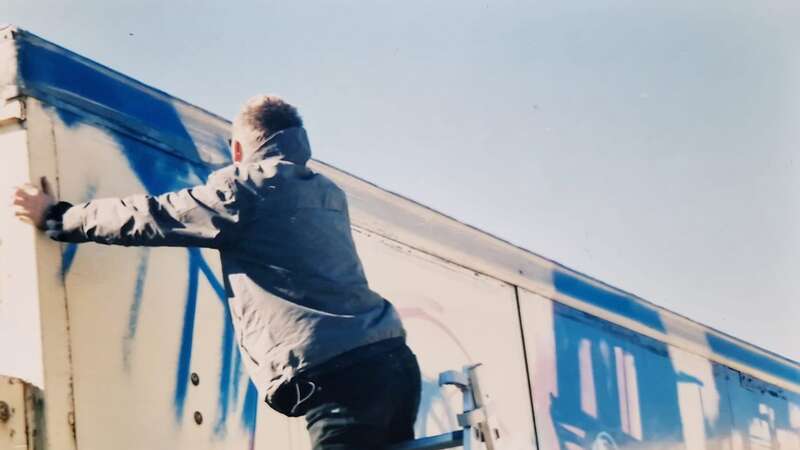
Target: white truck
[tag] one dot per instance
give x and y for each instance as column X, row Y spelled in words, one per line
column 143, row 356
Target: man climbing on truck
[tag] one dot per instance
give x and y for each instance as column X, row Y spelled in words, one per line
column 315, row 339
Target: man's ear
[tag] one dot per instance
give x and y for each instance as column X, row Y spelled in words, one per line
column 237, row 151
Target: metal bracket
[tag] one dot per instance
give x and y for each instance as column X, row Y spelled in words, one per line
column 13, row 107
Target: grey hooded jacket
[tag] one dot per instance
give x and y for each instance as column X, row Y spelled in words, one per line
column 296, row 287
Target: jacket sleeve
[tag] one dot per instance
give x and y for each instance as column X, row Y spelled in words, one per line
column 207, row 215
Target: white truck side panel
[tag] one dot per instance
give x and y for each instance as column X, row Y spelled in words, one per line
column 20, row 341
column 35, row 278
column 128, row 316
column 455, row 317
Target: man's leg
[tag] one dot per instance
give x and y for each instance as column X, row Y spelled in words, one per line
column 368, row 405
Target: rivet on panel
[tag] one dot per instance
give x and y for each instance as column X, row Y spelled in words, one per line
column 198, row 418
column 195, row 378
column 5, row 412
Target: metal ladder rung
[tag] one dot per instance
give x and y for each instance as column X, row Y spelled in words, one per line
column 479, row 430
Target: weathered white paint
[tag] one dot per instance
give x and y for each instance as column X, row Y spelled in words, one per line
column 20, row 342
column 36, row 279
column 14, row 426
column 454, row 317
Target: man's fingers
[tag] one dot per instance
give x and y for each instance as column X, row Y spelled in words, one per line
column 21, row 194
column 30, row 189
column 24, row 217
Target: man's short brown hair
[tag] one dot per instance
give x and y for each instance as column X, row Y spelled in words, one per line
column 267, row 114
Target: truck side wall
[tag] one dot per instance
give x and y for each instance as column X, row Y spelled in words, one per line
column 142, row 321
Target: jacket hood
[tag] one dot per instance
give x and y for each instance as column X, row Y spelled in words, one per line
column 291, row 143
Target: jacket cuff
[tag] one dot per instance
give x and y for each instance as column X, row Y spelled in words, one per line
column 54, row 213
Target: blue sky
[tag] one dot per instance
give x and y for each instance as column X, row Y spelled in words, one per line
column 653, row 145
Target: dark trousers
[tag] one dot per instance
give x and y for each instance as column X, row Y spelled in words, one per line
column 366, row 405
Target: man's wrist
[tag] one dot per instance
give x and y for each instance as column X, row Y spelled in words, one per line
column 54, row 214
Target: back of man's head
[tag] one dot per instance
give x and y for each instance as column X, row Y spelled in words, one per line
column 260, row 117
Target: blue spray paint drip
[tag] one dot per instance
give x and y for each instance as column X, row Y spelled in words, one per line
column 624, row 305
column 237, row 375
column 250, row 410
column 136, row 304
column 67, row 258
column 187, row 336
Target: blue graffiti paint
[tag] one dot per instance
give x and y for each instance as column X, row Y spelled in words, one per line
column 624, row 305
column 753, row 359
column 67, row 258
column 71, row 83
column 250, row 410
column 236, row 376
column 656, row 383
column 136, row 304
column 225, row 382
column 755, row 409
column 60, row 76
column 187, row 336
column 219, row 289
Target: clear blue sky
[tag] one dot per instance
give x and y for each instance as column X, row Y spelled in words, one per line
column 653, row 145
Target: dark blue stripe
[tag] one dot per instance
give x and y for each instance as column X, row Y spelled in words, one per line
column 624, row 305
column 762, row 362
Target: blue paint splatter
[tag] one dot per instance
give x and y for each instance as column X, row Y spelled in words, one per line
column 624, row 305
column 136, row 304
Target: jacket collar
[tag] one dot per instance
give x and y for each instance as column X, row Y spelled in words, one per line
column 291, row 143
